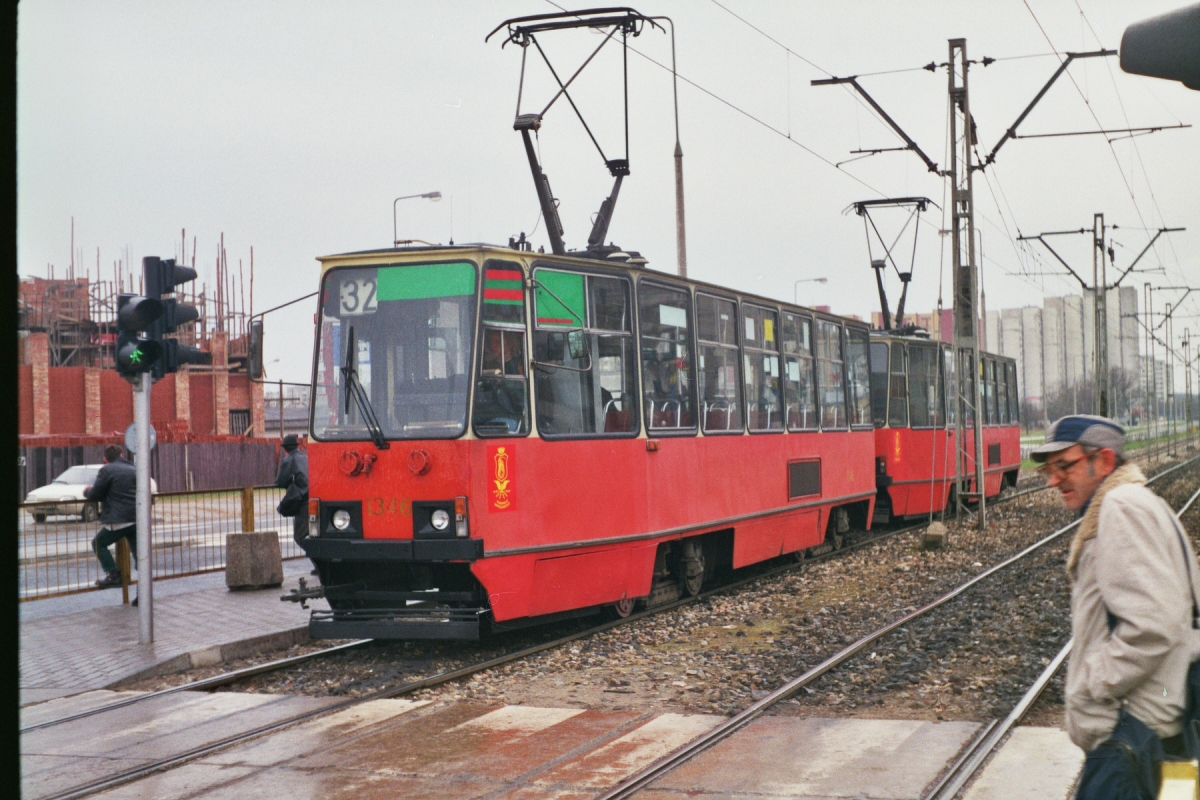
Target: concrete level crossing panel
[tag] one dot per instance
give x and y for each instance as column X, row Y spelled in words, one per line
column 1034, row 762
column 65, row 756
column 820, row 759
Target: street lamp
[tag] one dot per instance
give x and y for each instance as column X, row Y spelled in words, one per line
column 796, row 287
column 434, row 196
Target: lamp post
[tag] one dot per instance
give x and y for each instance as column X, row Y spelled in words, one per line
column 796, row 287
column 434, row 196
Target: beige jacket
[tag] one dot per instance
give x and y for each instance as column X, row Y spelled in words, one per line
column 1126, row 559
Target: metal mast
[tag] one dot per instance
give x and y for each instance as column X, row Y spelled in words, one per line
column 1100, row 288
column 962, row 247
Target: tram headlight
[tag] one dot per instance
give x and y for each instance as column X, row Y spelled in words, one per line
column 439, row 519
column 341, row 519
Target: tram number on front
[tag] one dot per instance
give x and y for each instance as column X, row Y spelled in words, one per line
column 358, row 297
column 385, row 506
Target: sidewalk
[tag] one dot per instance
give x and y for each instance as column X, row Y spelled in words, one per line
column 89, row 641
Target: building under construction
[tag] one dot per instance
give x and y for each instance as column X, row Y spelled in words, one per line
column 70, row 397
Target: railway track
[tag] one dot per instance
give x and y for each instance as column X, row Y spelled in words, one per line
column 448, row 676
column 647, row 776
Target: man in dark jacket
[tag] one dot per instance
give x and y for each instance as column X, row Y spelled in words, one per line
column 116, row 491
column 294, row 468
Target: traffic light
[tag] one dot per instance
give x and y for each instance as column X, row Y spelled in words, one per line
column 136, row 354
column 161, row 276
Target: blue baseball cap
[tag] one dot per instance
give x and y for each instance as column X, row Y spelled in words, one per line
column 1087, row 430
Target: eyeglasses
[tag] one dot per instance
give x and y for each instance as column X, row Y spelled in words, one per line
column 1059, row 469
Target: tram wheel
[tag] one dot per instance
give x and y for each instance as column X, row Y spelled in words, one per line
column 623, row 608
column 692, row 562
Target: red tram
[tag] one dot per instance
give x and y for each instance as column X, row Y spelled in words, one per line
column 501, row 437
column 504, row 436
column 912, row 405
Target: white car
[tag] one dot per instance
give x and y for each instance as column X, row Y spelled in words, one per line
column 64, row 495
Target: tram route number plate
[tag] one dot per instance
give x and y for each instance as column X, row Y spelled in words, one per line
column 386, row 506
column 357, row 297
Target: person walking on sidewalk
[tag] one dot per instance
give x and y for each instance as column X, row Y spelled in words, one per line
column 1133, row 613
column 293, row 469
column 116, row 491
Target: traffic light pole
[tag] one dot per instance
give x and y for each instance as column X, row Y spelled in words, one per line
column 141, row 417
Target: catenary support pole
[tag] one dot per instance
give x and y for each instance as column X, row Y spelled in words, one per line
column 141, row 418
column 1100, row 300
column 965, row 272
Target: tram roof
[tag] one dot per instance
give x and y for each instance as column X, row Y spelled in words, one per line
column 579, row 260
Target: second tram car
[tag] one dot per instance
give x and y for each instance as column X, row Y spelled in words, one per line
column 913, row 390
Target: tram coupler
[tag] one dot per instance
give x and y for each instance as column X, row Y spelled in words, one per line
column 303, row 594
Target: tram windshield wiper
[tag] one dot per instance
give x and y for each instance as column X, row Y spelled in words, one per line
column 354, row 389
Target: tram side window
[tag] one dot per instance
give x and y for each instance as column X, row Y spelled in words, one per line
column 925, row 387
column 830, row 386
column 858, row 363
column 584, row 367
column 950, row 378
column 760, row 368
column 720, row 389
column 1014, row 397
column 968, row 374
column 879, row 383
column 1002, row 393
column 670, row 395
column 898, row 388
column 989, row 390
column 799, row 386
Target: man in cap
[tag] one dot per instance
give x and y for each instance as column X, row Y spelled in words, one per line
column 293, row 468
column 1132, row 571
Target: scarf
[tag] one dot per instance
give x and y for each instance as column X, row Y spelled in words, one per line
column 1121, row 476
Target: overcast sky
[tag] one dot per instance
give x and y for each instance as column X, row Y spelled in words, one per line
column 291, row 128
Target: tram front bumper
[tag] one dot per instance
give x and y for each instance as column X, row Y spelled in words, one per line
column 329, row 549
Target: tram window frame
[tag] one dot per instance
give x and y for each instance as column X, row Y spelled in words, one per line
column 858, row 377
column 689, row 372
column 989, row 391
column 931, row 402
column 1014, row 394
column 969, row 371
column 796, row 343
column 754, row 320
column 592, row 336
column 719, row 344
column 1002, row 393
column 950, row 387
column 824, row 357
column 505, row 328
column 879, row 385
column 898, row 416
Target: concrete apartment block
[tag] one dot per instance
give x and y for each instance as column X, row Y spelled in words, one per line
column 991, row 331
column 1054, row 345
column 1032, row 376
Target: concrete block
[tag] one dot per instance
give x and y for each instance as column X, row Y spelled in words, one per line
column 935, row 537
column 253, row 560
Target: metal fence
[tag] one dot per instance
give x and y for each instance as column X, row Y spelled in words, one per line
column 54, row 540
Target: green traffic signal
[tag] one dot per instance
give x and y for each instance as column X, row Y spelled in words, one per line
column 136, row 354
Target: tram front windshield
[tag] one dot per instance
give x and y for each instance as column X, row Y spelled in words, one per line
column 412, row 329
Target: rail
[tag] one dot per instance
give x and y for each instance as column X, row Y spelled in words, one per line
column 54, row 538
